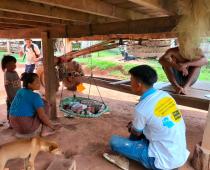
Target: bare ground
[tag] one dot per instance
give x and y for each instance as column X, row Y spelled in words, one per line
column 85, row 139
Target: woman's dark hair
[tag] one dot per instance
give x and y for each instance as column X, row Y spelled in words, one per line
column 7, row 59
column 28, row 78
column 144, row 74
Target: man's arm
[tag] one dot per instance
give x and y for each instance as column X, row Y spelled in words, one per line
column 167, row 61
column 197, row 63
column 37, row 53
column 135, row 132
column 21, row 52
column 136, row 127
column 36, row 48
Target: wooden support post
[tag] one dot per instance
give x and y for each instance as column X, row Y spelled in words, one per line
column 201, row 156
column 67, row 45
column 206, row 135
column 8, row 46
column 49, row 72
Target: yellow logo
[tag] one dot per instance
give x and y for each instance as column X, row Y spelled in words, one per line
column 167, row 107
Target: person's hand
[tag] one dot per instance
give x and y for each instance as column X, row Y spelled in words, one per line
column 129, row 126
column 183, row 67
column 185, row 72
column 36, row 60
column 56, row 126
column 21, row 53
column 179, row 90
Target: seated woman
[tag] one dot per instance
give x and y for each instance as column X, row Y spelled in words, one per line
column 27, row 112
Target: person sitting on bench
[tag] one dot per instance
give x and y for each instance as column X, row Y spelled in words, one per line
column 181, row 72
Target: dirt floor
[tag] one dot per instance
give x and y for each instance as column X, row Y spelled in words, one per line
column 85, row 139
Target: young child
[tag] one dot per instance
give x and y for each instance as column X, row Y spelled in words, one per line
column 11, row 79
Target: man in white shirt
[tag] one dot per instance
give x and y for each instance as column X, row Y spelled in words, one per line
column 32, row 54
column 157, row 138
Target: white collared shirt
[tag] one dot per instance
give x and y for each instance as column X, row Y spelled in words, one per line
column 162, row 124
column 30, row 55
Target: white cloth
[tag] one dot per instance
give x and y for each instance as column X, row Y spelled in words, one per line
column 162, row 124
column 30, row 55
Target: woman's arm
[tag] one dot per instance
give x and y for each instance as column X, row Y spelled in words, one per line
column 44, row 118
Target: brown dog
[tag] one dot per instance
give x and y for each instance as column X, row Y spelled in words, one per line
column 26, row 149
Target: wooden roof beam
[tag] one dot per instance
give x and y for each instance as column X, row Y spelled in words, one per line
column 126, row 36
column 158, row 5
column 16, row 16
column 55, row 32
column 96, row 7
column 22, row 22
column 13, row 27
column 145, row 26
column 38, row 9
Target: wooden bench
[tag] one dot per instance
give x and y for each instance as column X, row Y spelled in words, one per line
column 196, row 95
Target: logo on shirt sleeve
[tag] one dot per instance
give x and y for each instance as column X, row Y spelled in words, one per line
column 166, row 109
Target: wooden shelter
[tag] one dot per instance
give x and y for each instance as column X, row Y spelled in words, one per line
column 87, row 20
column 84, row 19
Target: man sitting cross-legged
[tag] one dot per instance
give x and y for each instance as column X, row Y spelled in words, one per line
column 157, row 139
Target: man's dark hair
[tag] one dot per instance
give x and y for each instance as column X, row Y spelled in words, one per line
column 7, row 59
column 144, row 74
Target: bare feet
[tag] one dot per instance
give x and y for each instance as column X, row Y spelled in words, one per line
column 56, row 126
column 179, row 90
column 47, row 133
column 7, row 125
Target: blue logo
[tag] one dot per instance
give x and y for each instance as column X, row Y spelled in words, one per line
column 167, row 122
